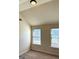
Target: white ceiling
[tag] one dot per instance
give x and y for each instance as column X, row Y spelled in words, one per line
column 25, row 4
column 41, row 14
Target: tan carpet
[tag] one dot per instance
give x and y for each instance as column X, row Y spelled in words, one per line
column 37, row 55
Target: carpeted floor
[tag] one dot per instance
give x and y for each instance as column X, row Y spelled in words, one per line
column 37, row 55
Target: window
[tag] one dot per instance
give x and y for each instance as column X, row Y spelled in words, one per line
column 55, row 38
column 36, row 36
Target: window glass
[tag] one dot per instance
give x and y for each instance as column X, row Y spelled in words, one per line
column 36, row 36
column 55, row 38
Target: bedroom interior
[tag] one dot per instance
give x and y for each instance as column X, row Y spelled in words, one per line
column 39, row 29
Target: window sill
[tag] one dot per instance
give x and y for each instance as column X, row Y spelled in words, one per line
column 37, row 44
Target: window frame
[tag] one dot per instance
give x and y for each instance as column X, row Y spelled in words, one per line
column 51, row 39
column 32, row 36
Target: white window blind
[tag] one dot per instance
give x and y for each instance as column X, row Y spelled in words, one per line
column 55, row 38
column 36, row 36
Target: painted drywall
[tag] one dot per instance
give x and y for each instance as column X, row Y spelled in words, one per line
column 25, row 4
column 24, row 36
column 43, row 14
column 46, row 39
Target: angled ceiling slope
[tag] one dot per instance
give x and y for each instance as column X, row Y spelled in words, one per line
column 46, row 13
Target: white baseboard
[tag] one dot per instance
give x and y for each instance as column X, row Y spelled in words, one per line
column 22, row 52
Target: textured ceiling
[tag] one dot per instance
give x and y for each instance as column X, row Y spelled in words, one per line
column 42, row 14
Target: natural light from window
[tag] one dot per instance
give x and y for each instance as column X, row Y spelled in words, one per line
column 36, row 36
column 55, row 37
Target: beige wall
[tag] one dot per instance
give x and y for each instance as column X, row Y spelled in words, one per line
column 45, row 39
